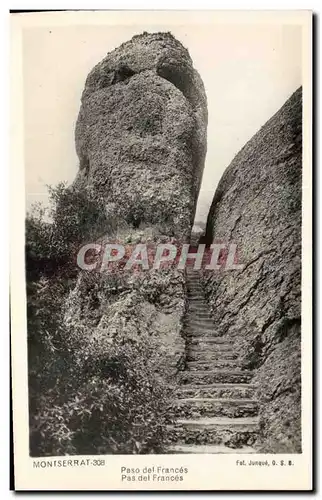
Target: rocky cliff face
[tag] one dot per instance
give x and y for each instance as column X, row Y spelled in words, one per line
column 141, row 133
column 258, row 206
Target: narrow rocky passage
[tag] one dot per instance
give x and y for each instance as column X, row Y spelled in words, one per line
column 215, row 410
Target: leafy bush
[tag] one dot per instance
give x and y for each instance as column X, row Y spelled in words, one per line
column 116, row 406
column 90, row 392
column 54, row 235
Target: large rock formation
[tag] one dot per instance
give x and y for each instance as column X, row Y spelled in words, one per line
column 141, row 142
column 257, row 205
column 141, row 133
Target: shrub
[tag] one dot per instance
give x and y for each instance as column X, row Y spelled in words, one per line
column 114, row 406
column 88, row 393
column 54, row 235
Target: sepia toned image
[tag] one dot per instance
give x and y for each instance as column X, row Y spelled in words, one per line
column 163, row 243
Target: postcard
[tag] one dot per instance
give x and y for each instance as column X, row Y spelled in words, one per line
column 161, row 265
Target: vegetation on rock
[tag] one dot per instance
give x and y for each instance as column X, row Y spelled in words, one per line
column 99, row 363
column 105, row 348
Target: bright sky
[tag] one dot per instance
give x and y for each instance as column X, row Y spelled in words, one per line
column 249, row 71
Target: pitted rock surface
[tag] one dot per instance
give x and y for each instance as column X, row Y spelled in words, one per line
column 141, row 141
column 141, row 133
column 257, row 205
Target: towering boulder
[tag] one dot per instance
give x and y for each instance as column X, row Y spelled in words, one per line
column 141, row 133
column 141, row 142
column 257, row 205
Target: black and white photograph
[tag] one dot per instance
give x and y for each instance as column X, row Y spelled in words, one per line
column 164, row 243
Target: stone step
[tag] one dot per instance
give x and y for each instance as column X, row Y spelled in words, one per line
column 194, row 283
column 210, row 348
column 207, row 356
column 210, row 339
column 205, row 347
column 199, row 333
column 200, row 322
column 209, row 329
column 207, row 449
column 197, row 300
column 214, row 376
column 214, row 407
column 203, row 331
column 205, row 365
column 195, row 319
column 194, row 305
column 199, row 311
column 234, row 391
column 195, row 297
column 199, row 317
column 234, row 432
column 199, row 304
column 197, row 323
column 222, row 423
column 198, row 314
column 195, row 293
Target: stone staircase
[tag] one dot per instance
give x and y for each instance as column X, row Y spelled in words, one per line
column 215, row 410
